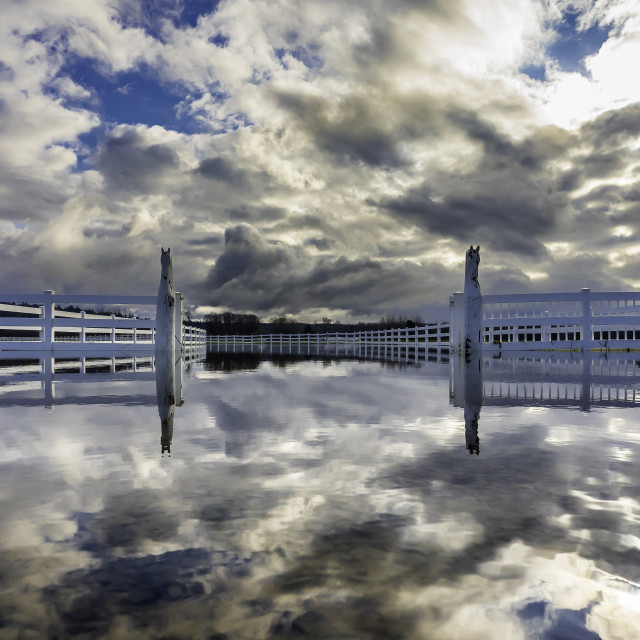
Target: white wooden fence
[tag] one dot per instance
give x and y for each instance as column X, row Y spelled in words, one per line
column 64, row 330
column 554, row 321
column 511, row 322
column 430, row 336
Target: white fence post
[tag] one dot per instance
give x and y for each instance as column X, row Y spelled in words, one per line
column 456, row 303
column 47, row 320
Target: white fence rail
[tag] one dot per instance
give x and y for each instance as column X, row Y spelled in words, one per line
column 61, row 330
column 429, row 336
column 554, row 321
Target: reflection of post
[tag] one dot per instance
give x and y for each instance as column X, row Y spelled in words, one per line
column 47, row 373
column 166, row 396
column 472, row 402
column 456, row 381
column 585, row 400
column 179, row 366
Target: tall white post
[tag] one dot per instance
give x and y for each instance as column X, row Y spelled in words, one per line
column 165, row 308
column 473, row 317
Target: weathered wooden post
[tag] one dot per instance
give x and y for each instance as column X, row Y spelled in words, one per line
column 473, row 315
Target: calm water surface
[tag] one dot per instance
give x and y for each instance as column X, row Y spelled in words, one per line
column 322, row 497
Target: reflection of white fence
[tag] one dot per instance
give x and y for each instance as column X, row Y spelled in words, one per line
column 30, row 378
column 583, row 320
column 61, row 330
column 432, row 335
column 581, row 381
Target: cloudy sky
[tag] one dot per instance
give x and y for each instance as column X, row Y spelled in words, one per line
column 318, row 157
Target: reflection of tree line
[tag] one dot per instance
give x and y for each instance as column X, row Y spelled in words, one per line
column 228, row 362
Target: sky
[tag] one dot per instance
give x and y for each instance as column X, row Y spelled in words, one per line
column 319, row 158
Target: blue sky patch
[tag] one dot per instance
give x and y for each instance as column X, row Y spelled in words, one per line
column 132, row 97
column 152, row 15
column 572, row 45
column 309, row 56
column 219, row 40
column 535, row 71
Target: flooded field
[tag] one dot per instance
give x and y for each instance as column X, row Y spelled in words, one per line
column 330, row 495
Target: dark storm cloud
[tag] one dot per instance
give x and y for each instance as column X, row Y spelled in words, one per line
column 217, row 169
column 604, row 165
column 130, row 164
column 508, row 201
column 223, row 170
column 253, row 273
column 28, row 197
column 247, row 256
column 478, row 215
column 613, row 128
column 355, row 134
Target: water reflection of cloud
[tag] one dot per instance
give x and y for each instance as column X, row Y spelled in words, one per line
column 331, row 506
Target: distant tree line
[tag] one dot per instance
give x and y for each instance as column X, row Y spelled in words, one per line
column 228, row 323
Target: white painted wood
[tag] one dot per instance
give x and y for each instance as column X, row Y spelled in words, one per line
column 165, row 306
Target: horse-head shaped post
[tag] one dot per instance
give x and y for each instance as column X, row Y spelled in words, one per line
column 165, row 306
column 167, row 265
column 473, row 312
column 471, row 267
